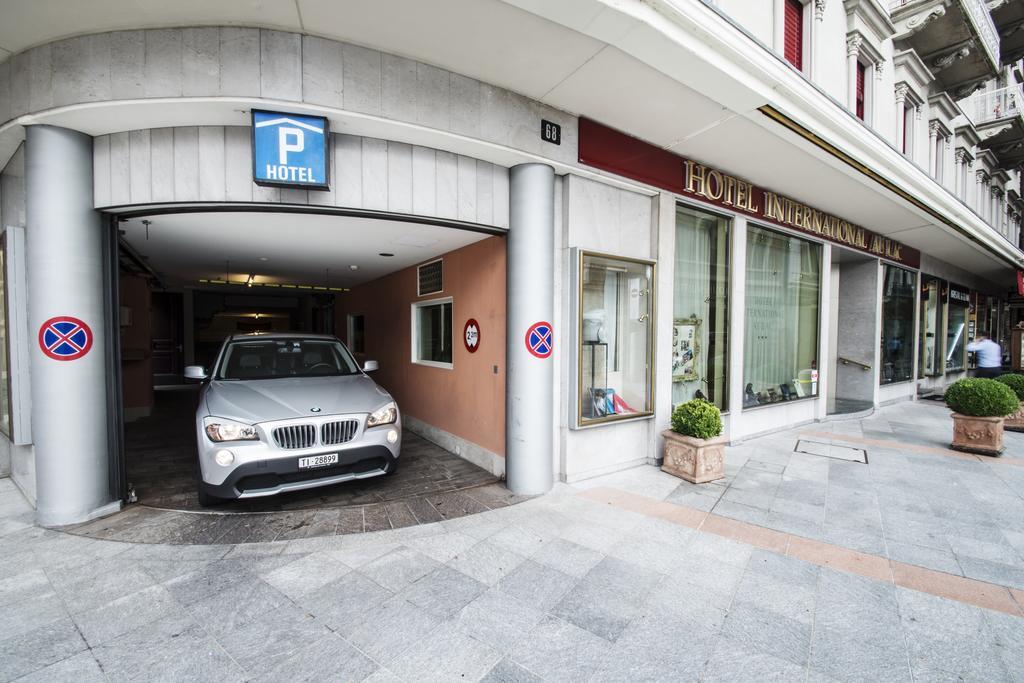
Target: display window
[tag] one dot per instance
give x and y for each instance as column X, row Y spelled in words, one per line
column 931, row 325
column 781, row 332
column 899, row 292
column 616, row 312
column 956, row 327
column 700, row 326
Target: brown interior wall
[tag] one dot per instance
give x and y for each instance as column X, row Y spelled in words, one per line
column 136, row 343
column 469, row 399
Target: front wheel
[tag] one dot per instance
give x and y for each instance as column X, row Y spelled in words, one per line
column 205, row 499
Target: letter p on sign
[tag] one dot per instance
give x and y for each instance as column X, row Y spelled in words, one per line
column 289, row 140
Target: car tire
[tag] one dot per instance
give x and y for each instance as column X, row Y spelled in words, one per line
column 205, row 499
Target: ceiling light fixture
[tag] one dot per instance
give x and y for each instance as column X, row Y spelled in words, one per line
column 252, row 278
column 385, row 253
column 353, row 267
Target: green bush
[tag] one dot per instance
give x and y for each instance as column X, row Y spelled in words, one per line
column 1015, row 382
column 981, row 398
column 697, row 418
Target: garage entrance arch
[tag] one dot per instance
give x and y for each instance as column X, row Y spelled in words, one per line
column 111, row 189
column 240, row 272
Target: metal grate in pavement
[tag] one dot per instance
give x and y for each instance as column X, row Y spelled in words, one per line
column 830, row 450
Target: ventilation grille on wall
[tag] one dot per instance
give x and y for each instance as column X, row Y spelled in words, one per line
column 429, row 278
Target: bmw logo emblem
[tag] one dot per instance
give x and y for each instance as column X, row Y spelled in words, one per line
column 315, row 409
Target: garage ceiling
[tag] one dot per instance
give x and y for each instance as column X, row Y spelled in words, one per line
column 282, row 248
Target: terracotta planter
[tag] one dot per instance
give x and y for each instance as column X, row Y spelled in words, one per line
column 983, row 435
column 1015, row 422
column 695, row 460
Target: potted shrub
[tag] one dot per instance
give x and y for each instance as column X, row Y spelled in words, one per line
column 694, row 447
column 1015, row 421
column 979, row 406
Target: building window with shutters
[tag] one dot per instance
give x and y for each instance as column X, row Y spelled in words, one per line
column 861, row 70
column 794, row 46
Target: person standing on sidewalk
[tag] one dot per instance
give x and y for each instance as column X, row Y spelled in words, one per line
column 990, row 357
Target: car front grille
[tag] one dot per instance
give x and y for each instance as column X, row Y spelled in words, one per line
column 295, row 436
column 341, row 431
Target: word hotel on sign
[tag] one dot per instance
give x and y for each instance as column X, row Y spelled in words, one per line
column 292, row 174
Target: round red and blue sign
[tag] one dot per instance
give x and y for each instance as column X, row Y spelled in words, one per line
column 539, row 339
column 65, row 338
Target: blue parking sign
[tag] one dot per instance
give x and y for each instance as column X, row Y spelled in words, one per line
column 290, row 150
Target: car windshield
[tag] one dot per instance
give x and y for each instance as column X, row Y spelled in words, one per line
column 275, row 358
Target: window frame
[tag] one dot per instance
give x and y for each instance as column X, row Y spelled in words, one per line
column 730, row 220
column 915, row 336
column 785, row 232
column 415, row 329
column 579, row 422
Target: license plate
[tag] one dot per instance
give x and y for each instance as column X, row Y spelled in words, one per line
column 317, row 461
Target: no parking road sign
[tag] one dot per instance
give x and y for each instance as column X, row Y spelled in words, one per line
column 539, row 340
column 65, row 338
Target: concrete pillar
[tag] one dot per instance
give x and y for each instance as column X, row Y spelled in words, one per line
column 933, row 151
column 979, row 193
column 65, row 278
column 901, row 116
column 737, row 323
column 529, row 390
column 852, row 51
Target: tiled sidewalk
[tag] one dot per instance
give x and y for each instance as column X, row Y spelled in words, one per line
column 605, row 580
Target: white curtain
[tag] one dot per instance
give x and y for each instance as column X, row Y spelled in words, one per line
column 781, row 333
column 692, row 290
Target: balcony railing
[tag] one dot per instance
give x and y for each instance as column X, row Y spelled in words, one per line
column 986, row 107
column 981, row 19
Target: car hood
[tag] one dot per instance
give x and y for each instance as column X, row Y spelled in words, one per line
column 288, row 398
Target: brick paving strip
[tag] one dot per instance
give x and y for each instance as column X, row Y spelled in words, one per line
column 969, row 591
column 916, row 448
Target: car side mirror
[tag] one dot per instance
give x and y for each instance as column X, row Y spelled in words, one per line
column 370, row 366
column 195, row 372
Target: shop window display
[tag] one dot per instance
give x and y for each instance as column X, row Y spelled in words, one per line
column 931, row 319
column 700, row 332
column 780, row 350
column 899, row 290
column 616, row 307
column 956, row 328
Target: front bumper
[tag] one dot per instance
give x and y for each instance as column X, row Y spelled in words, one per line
column 264, row 468
column 270, row 477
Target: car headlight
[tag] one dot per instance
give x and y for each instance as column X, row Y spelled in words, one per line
column 226, row 430
column 384, row 415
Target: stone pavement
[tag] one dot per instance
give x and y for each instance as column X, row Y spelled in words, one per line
column 797, row 567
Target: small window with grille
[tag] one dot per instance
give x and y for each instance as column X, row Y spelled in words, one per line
column 429, row 278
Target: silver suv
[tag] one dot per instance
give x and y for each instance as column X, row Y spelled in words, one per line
column 284, row 412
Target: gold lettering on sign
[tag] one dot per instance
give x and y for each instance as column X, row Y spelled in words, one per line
column 716, row 186
column 719, row 187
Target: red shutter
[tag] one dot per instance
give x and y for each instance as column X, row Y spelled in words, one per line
column 860, row 91
column 794, row 39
